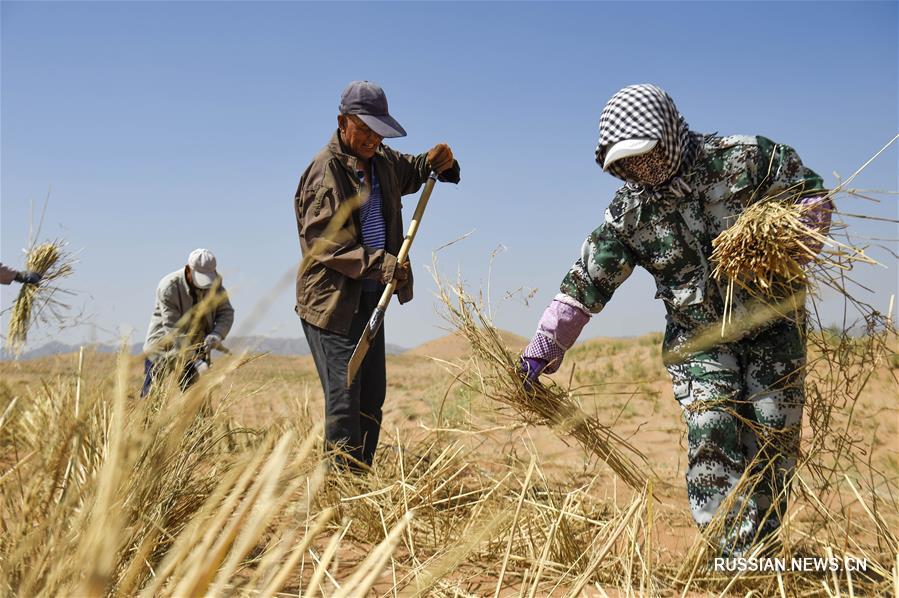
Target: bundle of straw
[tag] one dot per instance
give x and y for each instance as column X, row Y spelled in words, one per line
column 52, row 263
column 765, row 251
column 774, row 256
column 766, row 246
column 769, row 247
column 496, row 375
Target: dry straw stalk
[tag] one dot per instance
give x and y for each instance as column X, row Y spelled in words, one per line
column 493, row 371
column 52, row 263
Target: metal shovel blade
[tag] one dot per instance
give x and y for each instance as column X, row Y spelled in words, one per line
column 368, row 335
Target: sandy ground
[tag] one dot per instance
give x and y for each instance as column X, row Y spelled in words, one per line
column 631, row 390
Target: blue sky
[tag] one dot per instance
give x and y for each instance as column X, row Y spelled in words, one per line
column 160, row 127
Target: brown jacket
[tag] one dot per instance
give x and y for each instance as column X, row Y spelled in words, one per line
column 327, row 209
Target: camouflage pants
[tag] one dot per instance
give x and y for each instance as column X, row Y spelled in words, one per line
column 742, row 403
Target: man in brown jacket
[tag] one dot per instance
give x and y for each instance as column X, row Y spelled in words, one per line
column 349, row 218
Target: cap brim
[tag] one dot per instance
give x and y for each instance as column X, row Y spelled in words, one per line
column 202, row 280
column 626, row 149
column 385, row 126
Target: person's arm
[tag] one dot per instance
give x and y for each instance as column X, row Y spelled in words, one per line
column 558, row 329
column 604, row 264
column 170, row 314
column 816, row 215
column 324, row 222
column 783, row 175
column 7, row 275
column 224, row 315
column 412, row 171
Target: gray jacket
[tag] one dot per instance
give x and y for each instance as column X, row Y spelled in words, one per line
column 173, row 301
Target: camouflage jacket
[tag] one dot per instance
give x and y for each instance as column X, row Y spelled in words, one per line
column 672, row 237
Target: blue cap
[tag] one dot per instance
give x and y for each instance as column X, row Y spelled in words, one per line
column 368, row 101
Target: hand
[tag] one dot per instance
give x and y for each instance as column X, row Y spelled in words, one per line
column 212, row 341
column 530, row 369
column 440, row 157
column 401, row 275
column 200, row 366
column 815, row 214
column 28, row 277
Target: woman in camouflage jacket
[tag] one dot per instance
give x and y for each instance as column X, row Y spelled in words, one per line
column 742, row 399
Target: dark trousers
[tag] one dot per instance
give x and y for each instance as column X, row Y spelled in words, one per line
column 154, row 370
column 352, row 415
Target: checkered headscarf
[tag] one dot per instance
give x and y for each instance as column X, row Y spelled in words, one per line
column 644, row 112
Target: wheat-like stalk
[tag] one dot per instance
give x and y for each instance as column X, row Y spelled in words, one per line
column 494, row 371
column 767, row 245
column 52, row 262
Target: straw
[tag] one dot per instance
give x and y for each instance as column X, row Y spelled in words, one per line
column 52, row 262
column 494, row 372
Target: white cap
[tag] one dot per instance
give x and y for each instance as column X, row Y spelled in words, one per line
column 202, row 268
column 628, row 148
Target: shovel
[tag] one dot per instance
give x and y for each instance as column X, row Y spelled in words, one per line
column 377, row 316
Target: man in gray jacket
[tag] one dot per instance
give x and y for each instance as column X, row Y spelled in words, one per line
column 177, row 327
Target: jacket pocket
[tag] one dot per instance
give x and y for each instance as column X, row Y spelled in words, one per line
column 678, row 296
column 683, row 394
column 688, row 303
column 319, row 289
column 319, row 197
column 683, row 388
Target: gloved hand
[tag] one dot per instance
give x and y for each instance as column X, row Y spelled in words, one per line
column 212, row 341
column 401, row 275
column 200, row 366
column 28, row 277
column 816, row 215
column 530, row 369
column 440, row 157
column 558, row 329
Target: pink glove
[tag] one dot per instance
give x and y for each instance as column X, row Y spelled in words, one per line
column 816, row 215
column 558, row 329
column 530, row 368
